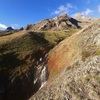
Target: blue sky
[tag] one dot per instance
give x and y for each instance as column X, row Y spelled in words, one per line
column 19, row 13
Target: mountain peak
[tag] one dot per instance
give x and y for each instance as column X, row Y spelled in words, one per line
column 81, row 17
column 63, row 15
column 9, row 28
column 78, row 15
column 83, row 20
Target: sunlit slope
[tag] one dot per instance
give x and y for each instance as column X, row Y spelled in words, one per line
column 74, row 67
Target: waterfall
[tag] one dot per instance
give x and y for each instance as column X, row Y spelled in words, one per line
column 41, row 72
column 43, row 76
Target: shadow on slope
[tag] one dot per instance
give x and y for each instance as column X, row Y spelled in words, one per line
column 23, row 62
column 18, row 62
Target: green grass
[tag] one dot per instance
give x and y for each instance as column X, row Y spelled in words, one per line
column 97, row 52
column 85, row 54
column 54, row 74
column 25, row 43
column 56, row 36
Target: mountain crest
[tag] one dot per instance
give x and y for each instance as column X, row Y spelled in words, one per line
column 63, row 21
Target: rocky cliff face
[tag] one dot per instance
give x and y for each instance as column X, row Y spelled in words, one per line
column 74, row 67
column 60, row 22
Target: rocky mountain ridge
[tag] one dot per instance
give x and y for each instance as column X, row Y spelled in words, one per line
column 62, row 21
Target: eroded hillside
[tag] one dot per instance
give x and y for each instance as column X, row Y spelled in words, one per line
column 74, row 67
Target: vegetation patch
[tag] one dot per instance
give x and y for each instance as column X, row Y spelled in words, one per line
column 85, row 54
column 97, row 52
column 54, row 74
column 56, row 36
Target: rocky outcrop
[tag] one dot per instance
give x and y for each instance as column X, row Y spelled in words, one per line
column 84, row 20
column 60, row 22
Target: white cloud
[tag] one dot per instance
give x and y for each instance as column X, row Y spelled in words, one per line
column 63, row 9
column 99, row 8
column 87, row 12
column 14, row 25
column 2, row 26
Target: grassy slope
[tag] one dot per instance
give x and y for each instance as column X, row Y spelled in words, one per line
column 57, row 36
column 16, row 51
column 20, row 51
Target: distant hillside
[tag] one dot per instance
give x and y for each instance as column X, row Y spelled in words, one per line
column 7, row 32
column 9, row 28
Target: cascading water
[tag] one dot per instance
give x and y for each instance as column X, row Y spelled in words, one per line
column 41, row 73
column 43, row 76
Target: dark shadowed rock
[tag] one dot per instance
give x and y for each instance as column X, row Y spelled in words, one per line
column 21, row 28
column 9, row 28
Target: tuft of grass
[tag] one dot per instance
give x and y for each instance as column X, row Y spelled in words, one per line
column 97, row 52
column 85, row 54
column 54, row 74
